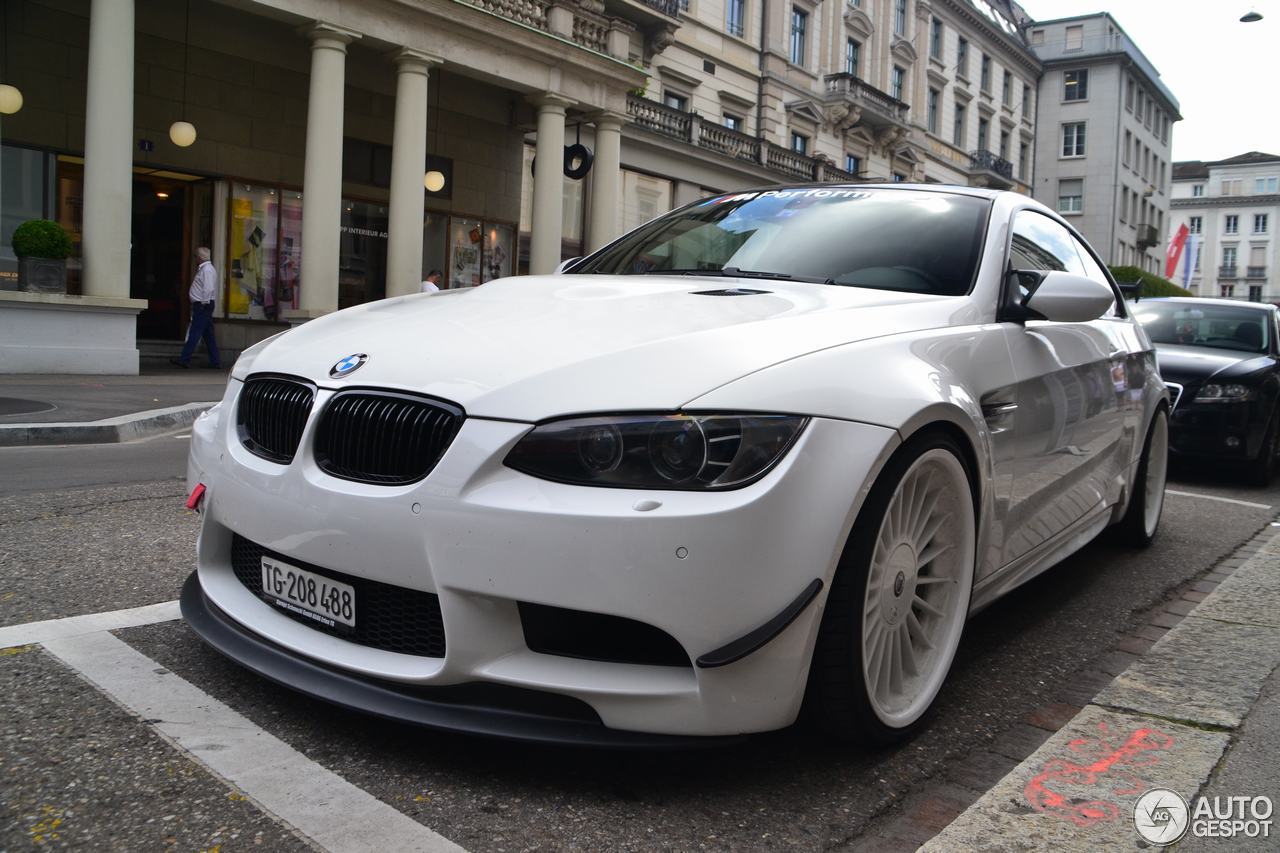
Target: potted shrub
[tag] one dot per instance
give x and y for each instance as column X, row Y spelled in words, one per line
column 42, row 248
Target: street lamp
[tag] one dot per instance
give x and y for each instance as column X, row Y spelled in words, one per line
column 10, row 99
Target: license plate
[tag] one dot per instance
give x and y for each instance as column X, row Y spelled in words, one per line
column 329, row 602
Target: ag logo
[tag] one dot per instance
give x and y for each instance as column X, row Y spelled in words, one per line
column 348, row 365
column 1161, row 816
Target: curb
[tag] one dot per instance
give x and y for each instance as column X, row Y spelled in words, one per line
column 1165, row 721
column 106, row 431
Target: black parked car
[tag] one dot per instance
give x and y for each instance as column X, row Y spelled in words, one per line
column 1221, row 361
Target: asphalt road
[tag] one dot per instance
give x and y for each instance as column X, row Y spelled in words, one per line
column 90, row 529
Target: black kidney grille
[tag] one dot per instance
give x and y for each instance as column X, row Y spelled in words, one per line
column 390, row 618
column 271, row 415
column 384, row 438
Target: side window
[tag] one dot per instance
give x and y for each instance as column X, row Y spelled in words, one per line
column 1093, row 270
column 1039, row 243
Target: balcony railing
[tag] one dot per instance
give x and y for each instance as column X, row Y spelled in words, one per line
column 989, row 161
column 1228, row 271
column 579, row 25
column 1255, row 272
column 846, row 85
column 789, row 162
column 731, row 143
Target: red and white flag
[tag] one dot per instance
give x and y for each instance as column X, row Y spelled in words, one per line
column 1174, row 252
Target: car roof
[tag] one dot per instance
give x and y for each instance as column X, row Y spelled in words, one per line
column 951, row 189
column 1208, row 300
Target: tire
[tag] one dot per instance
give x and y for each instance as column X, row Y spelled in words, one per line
column 1263, row 469
column 1146, row 502
column 899, row 598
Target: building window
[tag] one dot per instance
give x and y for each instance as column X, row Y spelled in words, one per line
column 1264, row 186
column 957, row 130
column 1231, row 224
column 1164, row 129
column 933, row 111
column 1255, row 293
column 899, row 178
column 1232, row 186
column 1142, row 100
column 1128, row 95
column 1023, row 157
column 799, row 143
column 1075, row 85
column 1073, row 139
column 1075, row 38
column 1037, row 36
column 851, row 51
column 935, row 38
column 852, row 164
column 1197, row 190
column 1026, row 101
column 736, row 18
column 799, row 23
column 985, row 80
column 1006, row 89
column 899, row 17
column 1128, row 143
column 983, row 133
column 1124, row 204
column 1004, row 145
column 1071, row 195
column 1229, row 258
column 676, row 101
column 733, row 122
column 1259, row 223
column 1228, row 291
column 962, row 58
column 1195, row 224
column 899, row 77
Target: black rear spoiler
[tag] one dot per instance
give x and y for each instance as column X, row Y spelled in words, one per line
column 1130, row 288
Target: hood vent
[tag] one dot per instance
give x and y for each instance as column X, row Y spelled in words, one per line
column 730, row 291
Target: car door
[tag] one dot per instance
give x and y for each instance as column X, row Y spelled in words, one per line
column 1067, row 420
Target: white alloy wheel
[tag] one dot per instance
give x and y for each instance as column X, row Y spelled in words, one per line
column 917, row 590
column 1157, row 470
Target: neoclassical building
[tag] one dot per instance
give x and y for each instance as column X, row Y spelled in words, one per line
column 343, row 150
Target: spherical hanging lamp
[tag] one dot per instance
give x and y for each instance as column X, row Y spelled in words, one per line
column 433, row 181
column 10, row 99
column 182, row 133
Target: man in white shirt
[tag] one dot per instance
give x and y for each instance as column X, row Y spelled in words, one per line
column 204, row 289
column 431, row 283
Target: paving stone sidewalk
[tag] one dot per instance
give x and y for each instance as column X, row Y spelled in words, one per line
column 1173, row 718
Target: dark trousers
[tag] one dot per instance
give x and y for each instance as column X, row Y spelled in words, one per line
column 201, row 327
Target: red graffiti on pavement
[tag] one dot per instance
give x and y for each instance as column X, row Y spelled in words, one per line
column 1104, row 758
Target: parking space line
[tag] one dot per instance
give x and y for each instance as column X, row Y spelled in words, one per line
column 1216, row 498
column 318, row 803
column 71, row 626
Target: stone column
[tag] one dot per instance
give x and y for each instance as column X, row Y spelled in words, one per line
column 548, row 185
column 322, row 173
column 108, row 150
column 408, row 165
column 606, row 180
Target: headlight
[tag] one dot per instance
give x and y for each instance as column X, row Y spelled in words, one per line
column 673, row 451
column 1224, row 394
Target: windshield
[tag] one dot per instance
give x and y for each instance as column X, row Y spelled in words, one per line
column 1201, row 325
column 915, row 241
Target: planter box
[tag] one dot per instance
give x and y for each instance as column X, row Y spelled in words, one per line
column 42, row 275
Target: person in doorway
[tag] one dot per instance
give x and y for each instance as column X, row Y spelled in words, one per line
column 431, row 283
column 204, row 288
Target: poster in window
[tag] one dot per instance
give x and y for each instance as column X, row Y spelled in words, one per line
column 498, row 249
column 252, row 254
column 466, row 249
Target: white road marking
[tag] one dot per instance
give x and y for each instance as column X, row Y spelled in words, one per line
column 1216, row 498
column 318, row 803
column 182, row 435
column 72, row 626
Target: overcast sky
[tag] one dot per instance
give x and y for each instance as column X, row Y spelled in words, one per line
column 1222, row 72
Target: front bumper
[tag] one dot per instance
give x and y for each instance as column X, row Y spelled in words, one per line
column 706, row 568
column 1217, row 430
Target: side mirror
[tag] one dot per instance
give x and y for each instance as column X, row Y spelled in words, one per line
column 565, row 265
column 1065, row 297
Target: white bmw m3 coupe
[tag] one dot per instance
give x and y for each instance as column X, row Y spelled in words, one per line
column 764, row 453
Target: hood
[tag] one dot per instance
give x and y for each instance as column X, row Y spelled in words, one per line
column 537, row 347
column 1193, row 365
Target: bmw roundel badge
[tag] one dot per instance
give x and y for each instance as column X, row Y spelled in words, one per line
column 348, row 365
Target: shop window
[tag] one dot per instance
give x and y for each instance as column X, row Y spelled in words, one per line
column 362, row 253
column 22, row 175
column 478, row 251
